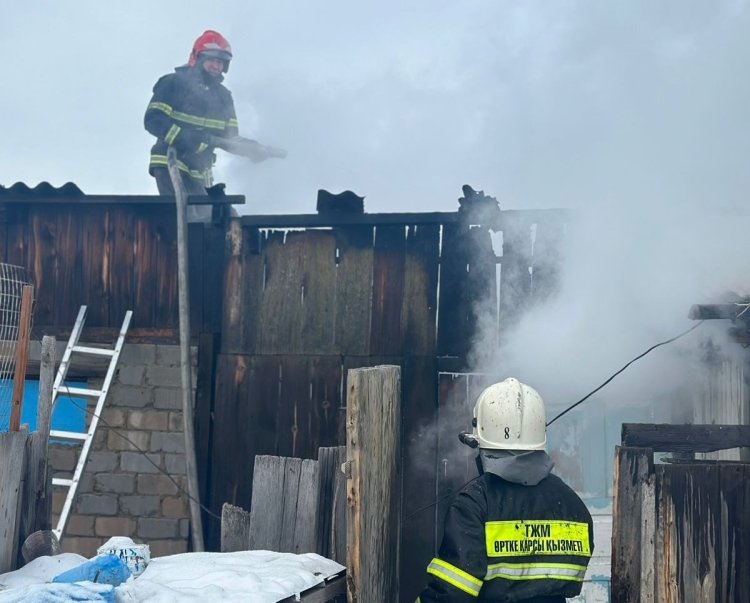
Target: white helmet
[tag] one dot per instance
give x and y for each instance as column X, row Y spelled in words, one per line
column 509, row 416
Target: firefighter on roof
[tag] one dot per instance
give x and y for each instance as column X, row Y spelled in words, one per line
column 516, row 533
column 191, row 109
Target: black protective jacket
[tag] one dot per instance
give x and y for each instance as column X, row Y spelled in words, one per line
column 186, row 108
column 505, row 542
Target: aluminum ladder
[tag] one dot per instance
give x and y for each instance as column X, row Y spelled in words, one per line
column 58, row 387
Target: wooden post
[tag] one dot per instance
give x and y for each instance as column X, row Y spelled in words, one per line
column 12, row 465
column 634, row 468
column 331, row 541
column 22, row 356
column 373, row 479
column 235, row 529
column 648, row 538
column 37, row 497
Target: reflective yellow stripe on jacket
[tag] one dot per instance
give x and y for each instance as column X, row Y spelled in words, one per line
column 202, row 175
column 193, row 120
column 455, row 576
column 172, row 134
column 536, row 571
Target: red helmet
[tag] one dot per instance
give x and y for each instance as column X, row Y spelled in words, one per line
column 211, row 44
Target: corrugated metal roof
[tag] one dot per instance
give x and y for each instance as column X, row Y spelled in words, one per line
column 43, row 189
column 44, row 192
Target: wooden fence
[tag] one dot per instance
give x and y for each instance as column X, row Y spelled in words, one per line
column 681, row 530
column 302, row 307
column 298, row 507
column 25, row 483
column 282, row 314
column 112, row 257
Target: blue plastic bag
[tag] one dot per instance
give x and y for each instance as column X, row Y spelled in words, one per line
column 103, row 569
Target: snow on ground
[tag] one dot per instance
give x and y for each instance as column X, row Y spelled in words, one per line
column 41, row 569
column 247, row 576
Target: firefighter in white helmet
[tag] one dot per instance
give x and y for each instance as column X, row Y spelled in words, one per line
column 517, row 533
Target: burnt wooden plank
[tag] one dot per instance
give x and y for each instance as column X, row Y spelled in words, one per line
column 331, row 539
column 122, row 273
column 453, row 335
column 734, row 549
column 353, row 290
column 648, row 539
column 714, row 311
column 196, row 276
column 244, row 281
column 685, row 438
column 324, row 376
column 286, row 506
column 295, row 436
column 316, row 328
column 326, row 469
column 305, row 509
column 18, row 236
column 271, row 482
column 208, row 348
column 690, row 493
column 281, row 306
column 339, row 514
column 71, row 286
column 468, row 288
column 164, row 229
column 42, row 256
column 386, row 333
column 283, row 515
column 213, row 272
column 96, row 251
column 419, row 451
column 245, row 424
column 420, row 290
column 146, row 266
column 632, row 468
column 235, row 529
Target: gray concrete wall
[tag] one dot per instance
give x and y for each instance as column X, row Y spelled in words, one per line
column 124, row 492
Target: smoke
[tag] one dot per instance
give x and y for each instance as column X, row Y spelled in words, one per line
column 629, row 276
column 540, row 104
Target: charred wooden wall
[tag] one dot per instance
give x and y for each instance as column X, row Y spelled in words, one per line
column 680, row 531
column 281, row 315
column 112, row 257
column 303, row 307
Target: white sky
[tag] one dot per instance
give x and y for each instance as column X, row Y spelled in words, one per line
column 542, row 104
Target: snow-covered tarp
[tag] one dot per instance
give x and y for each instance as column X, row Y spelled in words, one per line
column 247, row 576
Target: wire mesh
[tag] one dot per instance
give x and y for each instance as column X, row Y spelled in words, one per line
column 12, row 281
